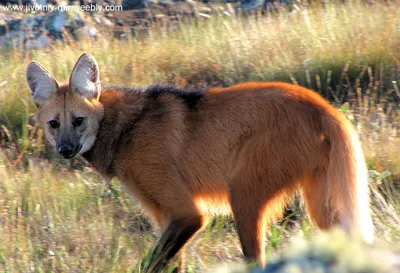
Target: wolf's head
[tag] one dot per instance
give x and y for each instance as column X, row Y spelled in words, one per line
column 70, row 114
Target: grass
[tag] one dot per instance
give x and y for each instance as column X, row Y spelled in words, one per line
column 69, row 222
column 74, row 222
column 58, row 216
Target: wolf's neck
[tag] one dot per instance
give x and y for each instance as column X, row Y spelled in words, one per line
column 120, row 116
column 102, row 153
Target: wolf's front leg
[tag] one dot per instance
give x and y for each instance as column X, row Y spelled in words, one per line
column 175, row 236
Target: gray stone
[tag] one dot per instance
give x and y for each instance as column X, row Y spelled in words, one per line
column 136, row 4
column 70, row 20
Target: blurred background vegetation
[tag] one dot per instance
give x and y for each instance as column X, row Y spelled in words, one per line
column 60, row 216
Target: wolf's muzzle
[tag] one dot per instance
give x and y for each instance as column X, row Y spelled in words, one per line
column 67, row 151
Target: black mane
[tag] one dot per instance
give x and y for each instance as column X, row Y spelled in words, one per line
column 153, row 92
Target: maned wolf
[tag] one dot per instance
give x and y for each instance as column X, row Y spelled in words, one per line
column 185, row 155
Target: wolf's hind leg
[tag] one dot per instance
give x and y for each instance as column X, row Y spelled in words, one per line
column 319, row 204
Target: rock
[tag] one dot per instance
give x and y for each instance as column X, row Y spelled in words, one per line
column 41, row 2
column 42, row 41
column 38, row 31
column 70, row 20
column 253, row 5
column 136, row 4
column 250, row 5
column 154, row 4
column 16, row 2
column 56, row 21
column 165, row 3
column 12, row 39
column 3, row 26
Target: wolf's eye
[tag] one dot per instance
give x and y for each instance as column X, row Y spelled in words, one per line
column 54, row 124
column 77, row 121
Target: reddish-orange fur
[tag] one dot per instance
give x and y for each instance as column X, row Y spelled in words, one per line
column 244, row 149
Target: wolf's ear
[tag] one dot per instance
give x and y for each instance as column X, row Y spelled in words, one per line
column 85, row 77
column 41, row 83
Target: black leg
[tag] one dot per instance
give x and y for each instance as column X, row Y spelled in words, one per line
column 172, row 240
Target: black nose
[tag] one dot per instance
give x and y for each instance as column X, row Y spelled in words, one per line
column 65, row 150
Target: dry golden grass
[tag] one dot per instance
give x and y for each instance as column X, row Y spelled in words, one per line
column 53, row 219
